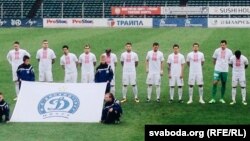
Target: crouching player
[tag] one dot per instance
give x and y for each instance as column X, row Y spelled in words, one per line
column 239, row 63
column 4, row 109
column 112, row 110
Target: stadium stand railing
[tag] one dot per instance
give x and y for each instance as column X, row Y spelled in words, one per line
column 99, row 8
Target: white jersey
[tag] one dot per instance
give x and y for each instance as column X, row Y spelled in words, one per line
column 239, row 64
column 69, row 62
column 195, row 59
column 15, row 58
column 45, row 57
column 129, row 59
column 154, row 61
column 87, row 61
column 111, row 60
column 222, row 59
column 176, row 61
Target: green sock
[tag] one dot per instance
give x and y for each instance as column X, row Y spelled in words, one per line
column 214, row 91
column 223, row 89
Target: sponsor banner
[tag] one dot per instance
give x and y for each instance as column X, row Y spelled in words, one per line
column 21, row 23
column 59, row 102
column 180, row 22
column 230, row 10
column 75, row 22
column 174, row 10
column 135, row 10
column 130, row 22
column 229, row 22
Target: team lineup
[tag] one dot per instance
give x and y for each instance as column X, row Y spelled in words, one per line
column 223, row 58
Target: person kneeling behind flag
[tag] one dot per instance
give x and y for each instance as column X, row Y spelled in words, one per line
column 4, row 109
column 112, row 110
column 104, row 73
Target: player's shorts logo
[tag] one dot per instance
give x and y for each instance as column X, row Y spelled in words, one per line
column 60, row 104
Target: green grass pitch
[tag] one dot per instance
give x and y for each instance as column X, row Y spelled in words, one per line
column 136, row 115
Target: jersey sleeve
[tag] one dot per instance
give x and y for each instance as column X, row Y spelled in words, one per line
column 9, row 57
column 80, row 59
column 182, row 60
column 37, row 55
column 115, row 58
column 162, row 57
column 147, row 57
column 188, row 59
column 246, row 61
column 53, row 55
column 169, row 59
column 122, row 59
column 202, row 57
column 136, row 57
column 215, row 55
column 61, row 61
column 94, row 58
column 75, row 58
column 230, row 60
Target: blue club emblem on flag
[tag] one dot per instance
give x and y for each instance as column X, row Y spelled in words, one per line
column 59, row 104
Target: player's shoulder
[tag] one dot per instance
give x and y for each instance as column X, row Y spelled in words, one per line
column 171, row 54
column 200, row 53
column 180, row 54
column 123, row 52
column 81, row 55
column 92, row 54
column 50, row 50
column 39, row 50
column 113, row 54
column 160, row 52
column 134, row 53
column 229, row 50
column 190, row 53
column 11, row 51
column 62, row 56
column 244, row 57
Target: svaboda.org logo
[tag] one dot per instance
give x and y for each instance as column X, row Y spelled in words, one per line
column 60, row 104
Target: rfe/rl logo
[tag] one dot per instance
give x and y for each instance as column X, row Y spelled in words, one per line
column 60, row 104
column 16, row 22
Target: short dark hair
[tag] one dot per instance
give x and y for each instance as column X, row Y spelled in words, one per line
column 1, row 93
column 176, row 45
column 45, row 41
column 223, row 41
column 87, row 46
column 128, row 43
column 196, row 44
column 65, row 46
column 237, row 53
column 25, row 57
column 155, row 44
column 16, row 42
column 108, row 50
column 111, row 95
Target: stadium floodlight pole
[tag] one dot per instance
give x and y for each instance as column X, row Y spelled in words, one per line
column 83, row 10
column 42, row 10
column 145, row 5
column 103, row 12
column 2, row 11
column 166, row 3
column 208, row 9
column 21, row 9
column 62, row 9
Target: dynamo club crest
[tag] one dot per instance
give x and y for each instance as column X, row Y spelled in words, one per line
column 59, row 104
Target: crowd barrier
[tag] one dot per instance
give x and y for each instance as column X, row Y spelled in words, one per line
column 127, row 22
